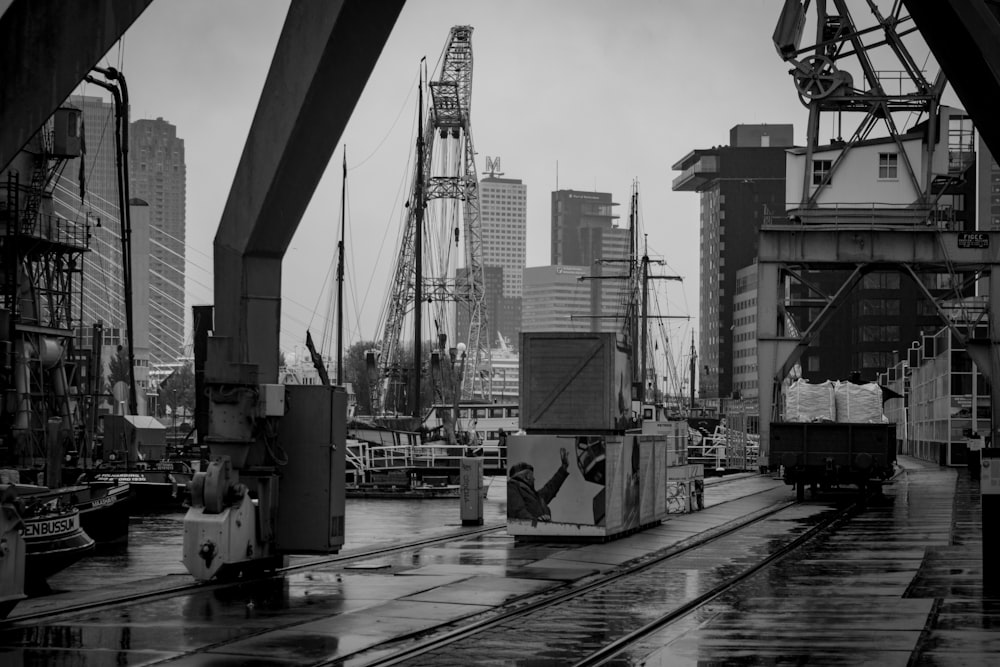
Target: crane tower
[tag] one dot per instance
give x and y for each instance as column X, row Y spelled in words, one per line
column 878, row 195
column 444, row 198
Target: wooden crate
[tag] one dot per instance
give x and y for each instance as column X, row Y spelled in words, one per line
column 574, row 382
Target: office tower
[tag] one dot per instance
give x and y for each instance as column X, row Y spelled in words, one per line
column 581, row 222
column 87, row 191
column 503, row 216
column 559, row 298
column 744, row 333
column 157, row 176
column 739, row 185
column 563, row 296
column 90, row 195
column 493, row 302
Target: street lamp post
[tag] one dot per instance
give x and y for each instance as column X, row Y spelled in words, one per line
column 503, row 381
column 457, row 354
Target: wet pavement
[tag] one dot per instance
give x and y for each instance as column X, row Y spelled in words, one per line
column 899, row 584
column 155, row 540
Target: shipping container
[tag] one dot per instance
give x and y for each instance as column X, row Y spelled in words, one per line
column 575, row 383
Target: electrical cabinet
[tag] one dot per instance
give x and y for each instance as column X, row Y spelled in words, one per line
column 311, row 501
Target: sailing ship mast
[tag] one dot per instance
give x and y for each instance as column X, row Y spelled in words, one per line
column 340, row 275
column 317, row 359
column 642, row 279
column 418, row 263
column 443, row 206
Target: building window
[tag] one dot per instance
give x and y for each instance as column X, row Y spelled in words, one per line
column 887, row 166
column 821, row 169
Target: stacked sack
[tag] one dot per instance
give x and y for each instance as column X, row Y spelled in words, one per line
column 805, row 402
column 859, row 403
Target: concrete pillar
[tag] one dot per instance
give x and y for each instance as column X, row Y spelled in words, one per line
column 471, row 490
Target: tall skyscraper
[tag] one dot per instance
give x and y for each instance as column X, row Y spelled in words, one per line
column 582, row 224
column 88, row 193
column 557, row 299
column 503, row 215
column 561, row 297
column 738, row 184
column 157, row 175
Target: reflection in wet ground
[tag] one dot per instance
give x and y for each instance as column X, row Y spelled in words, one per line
column 301, row 617
column 571, row 631
column 155, row 540
column 868, row 593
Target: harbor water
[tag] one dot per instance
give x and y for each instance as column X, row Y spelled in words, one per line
column 155, row 540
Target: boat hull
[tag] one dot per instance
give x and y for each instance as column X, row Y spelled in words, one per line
column 152, row 490
column 105, row 513
column 450, row 492
column 53, row 541
column 105, row 508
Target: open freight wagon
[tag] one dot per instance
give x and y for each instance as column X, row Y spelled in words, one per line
column 828, row 454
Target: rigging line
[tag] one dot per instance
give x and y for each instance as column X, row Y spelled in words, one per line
column 349, row 285
column 165, row 317
column 100, row 265
column 100, row 144
column 109, row 215
column 402, row 188
column 399, row 114
column 156, row 243
column 157, row 335
column 322, row 296
column 153, row 273
column 160, row 305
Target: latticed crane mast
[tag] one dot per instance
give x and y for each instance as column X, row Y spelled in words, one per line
column 861, row 67
column 448, row 188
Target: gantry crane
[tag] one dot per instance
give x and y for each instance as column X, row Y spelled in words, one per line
column 444, row 195
column 860, row 67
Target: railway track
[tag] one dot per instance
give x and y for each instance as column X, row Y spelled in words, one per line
column 444, row 642
column 578, row 624
column 118, row 599
column 110, row 598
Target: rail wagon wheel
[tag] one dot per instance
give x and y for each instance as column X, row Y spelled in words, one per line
column 816, row 77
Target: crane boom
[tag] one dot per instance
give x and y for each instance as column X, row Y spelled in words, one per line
column 446, row 184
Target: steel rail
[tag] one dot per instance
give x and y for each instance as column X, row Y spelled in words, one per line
column 622, row 644
column 526, row 606
column 216, row 584
column 377, row 550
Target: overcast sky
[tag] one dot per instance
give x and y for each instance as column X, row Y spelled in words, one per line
column 612, row 91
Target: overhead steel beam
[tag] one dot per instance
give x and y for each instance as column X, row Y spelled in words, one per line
column 863, row 249
column 47, row 47
column 965, row 38
column 325, row 54
column 924, row 249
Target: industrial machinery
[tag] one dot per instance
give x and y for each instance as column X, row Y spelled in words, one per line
column 12, row 550
column 275, row 482
column 446, row 186
column 880, row 196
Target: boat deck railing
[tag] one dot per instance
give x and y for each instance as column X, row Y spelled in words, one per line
column 725, row 448
column 365, row 457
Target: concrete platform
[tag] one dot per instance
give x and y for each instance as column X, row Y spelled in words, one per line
column 900, row 585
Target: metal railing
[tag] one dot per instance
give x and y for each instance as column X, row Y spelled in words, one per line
column 364, row 458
